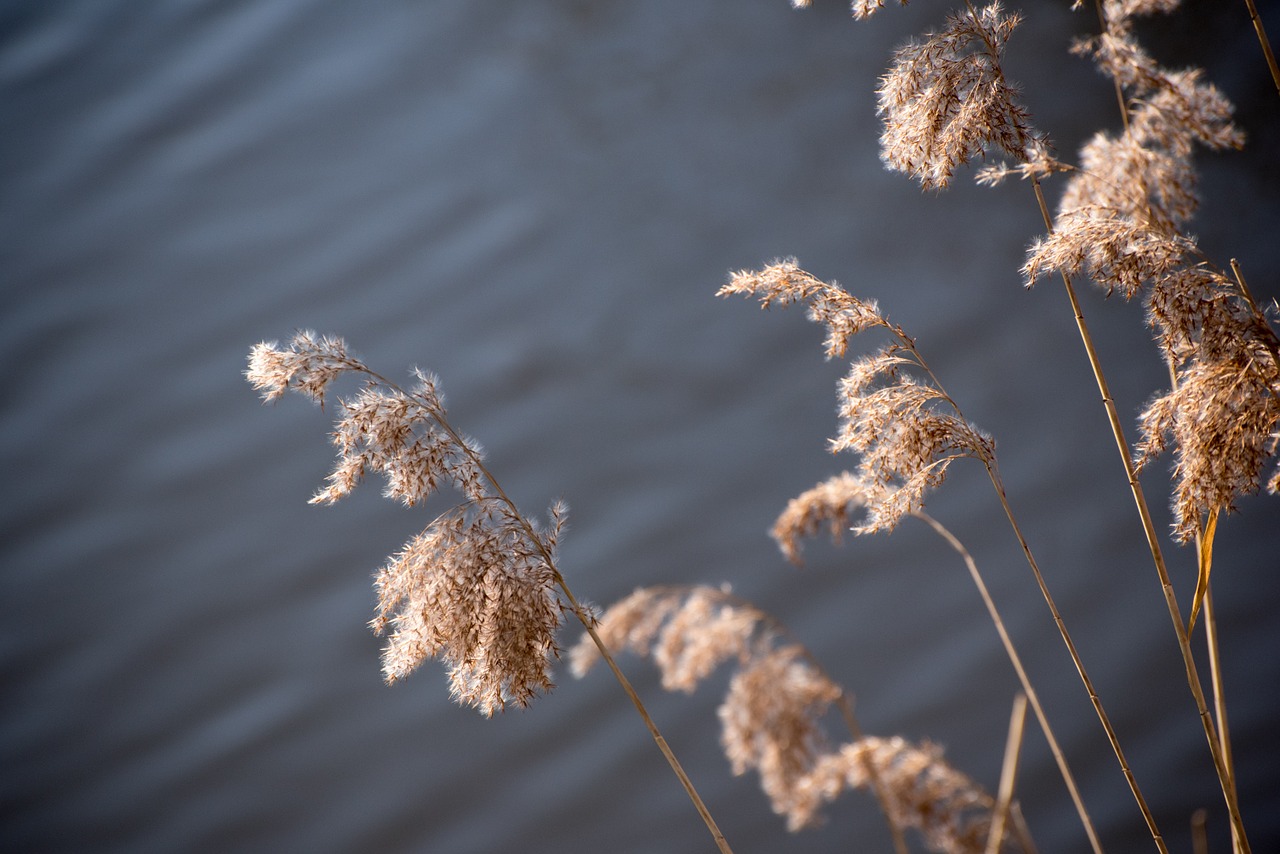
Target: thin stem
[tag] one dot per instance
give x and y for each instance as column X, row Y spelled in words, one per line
column 1199, row 839
column 845, row 700
column 1193, row 680
column 1008, row 774
column 1023, row 678
column 574, row 606
column 1264, row 41
column 846, row 711
column 1124, row 107
column 989, row 462
column 1273, row 346
column 670, row 756
column 1079, row 664
column 1219, row 695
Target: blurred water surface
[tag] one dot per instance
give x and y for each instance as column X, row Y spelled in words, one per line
column 538, row 201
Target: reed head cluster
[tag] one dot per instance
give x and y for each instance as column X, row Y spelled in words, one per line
column 477, row 588
column 893, row 413
column 772, row 714
column 1121, row 222
column 945, row 99
column 951, row 811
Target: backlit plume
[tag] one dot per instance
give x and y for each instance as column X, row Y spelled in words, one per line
column 771, row 716
column 477, row 588
column 894, row 416
column 945, row 99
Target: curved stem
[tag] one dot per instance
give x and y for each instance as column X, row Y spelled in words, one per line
column 667, row 753
column 1032, row 697
column 1219, row 695
column 990, row 462
column 1079, row 664
column 1124, row 107
column 882, row 796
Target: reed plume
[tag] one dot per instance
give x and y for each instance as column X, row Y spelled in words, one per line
column 771, row 715
column 906, row 431
column 894, row 415
column 951, row 812
column 478, row 588
column 1121, row 221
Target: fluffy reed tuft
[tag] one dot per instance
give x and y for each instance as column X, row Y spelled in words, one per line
column 894, row 415
column 1120, row 221
column 475, row 589
column 950, row 810
column 945, row 100
column 771, row 715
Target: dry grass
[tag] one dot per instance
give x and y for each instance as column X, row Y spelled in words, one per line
column 479, row 588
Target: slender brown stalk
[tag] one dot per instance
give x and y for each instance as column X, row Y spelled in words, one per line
column 1112, row 737
column 877, row 785
column 1199, row 839
column 667, row 753
column 845, row 702
column 1219, row 695
column 1193, row 679
column 1264, row 41
column 1025, row 680
column 1270, row 341
column 1008, row 774
column 689, row 630
column 989, row 462
column 414, row 450
column 1120, row 100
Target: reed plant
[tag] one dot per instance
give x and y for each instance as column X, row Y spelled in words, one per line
column 480, row 588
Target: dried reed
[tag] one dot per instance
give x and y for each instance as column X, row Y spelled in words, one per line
column 906, row 431
column 1121, row 222
column 771, row 716
column 479, row 588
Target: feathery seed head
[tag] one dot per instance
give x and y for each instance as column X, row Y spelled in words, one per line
column 477, row 588
column 945, row 99
column 949, row 809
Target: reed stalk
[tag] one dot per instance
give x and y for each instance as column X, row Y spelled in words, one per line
column 1028, row 689
column 1008, row 774
column 583, row 616
column 1219, row 694
column 1225, row 778
column 988, row 460
column 478, row 587
column 1256, row 20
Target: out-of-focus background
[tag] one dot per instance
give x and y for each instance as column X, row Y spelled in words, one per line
column 538, row 201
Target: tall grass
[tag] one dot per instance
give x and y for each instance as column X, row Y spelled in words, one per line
column 480, row 589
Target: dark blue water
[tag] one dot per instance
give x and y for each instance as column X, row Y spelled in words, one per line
column 538, row 201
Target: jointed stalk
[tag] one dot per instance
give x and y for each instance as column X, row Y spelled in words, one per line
column 1193, row 679
column 670, row 756
column 877, row 785
column 992, row 472
column 1075, row 658
column 1219, row 696
column 1264, row 42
